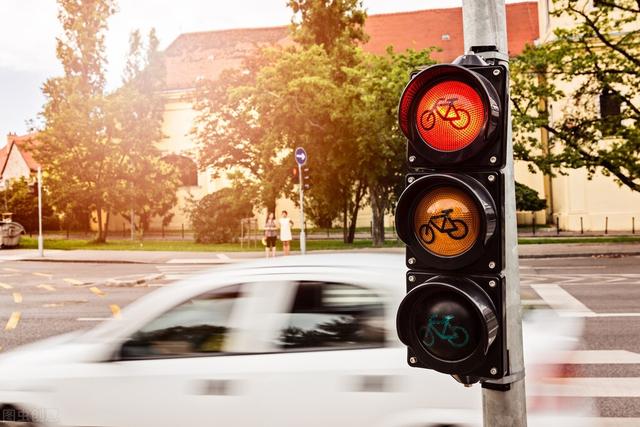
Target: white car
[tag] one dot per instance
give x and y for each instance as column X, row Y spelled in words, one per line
column 297, row 341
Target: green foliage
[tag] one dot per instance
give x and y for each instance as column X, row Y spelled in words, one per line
column 324, row 94
column 148, row 184
column 328, row 22
column 600, row 53
column 216, row 217
column 98, row 147
column 527, row 199
column 21, row 200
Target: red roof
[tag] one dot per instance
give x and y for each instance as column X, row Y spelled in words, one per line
column 18, row 142
column 205, row 54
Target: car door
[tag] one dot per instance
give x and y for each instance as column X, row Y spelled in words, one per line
column 330, row 363
column 182, row 368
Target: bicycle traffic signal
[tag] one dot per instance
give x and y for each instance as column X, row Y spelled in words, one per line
column 451, row 218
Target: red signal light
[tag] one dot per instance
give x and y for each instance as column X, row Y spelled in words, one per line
column 450, row 115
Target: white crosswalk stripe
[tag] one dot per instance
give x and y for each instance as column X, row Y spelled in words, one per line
column 175, row 272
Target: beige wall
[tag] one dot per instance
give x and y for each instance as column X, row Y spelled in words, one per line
column 574, row 195
column 16, row 166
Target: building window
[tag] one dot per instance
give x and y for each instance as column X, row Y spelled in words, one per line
column 610, row 103
column 187, row 169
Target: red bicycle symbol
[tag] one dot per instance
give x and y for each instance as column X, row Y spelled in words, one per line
column 459, row 118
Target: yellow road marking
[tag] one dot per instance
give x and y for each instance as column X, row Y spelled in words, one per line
column 13, row 321
column 17, row 297
column 73, row 281
column 5, row 286
column 115, row 310
column 43, row 274
column 47, row 287
column 11, row 269
column 97, row 291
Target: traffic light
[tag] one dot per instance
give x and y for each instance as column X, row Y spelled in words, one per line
column 451, row 218
column 306, row 178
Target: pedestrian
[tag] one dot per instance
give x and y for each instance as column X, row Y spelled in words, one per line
column 285, row 232
column 270, row 234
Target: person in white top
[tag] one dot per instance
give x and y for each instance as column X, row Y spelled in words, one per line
column 285, row 232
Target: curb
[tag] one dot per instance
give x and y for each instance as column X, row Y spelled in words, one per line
column 584, row 255
column 87, row 261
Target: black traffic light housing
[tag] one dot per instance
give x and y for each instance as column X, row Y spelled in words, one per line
column 451, row 218
column 487, row 150
column 486, row 255
column 483, row 296
column 306, row 177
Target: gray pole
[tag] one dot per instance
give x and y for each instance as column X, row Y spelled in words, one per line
column 485, row 24
column 40, row 238
column 303, row 242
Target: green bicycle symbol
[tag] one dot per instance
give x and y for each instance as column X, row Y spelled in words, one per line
column 457, row 336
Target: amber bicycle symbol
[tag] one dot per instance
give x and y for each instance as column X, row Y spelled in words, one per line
column 457, row 336
column 459, row 118
column 457, row 229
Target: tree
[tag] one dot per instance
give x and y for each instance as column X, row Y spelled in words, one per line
column 99, row 148
column 77, row 142
column 381, row 146
column 216, row 217
column 591, row 73
column 527, row 199
column 148, row 184
column 22, row 201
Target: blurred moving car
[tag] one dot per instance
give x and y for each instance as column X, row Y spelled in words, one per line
column 300, row 341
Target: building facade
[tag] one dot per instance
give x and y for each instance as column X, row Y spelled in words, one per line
column 204, row 55
column 574, row 200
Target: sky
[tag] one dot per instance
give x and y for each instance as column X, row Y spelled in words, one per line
column 28, row 29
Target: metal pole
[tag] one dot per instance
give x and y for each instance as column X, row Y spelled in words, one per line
column 485, row 24
column 133, row 225
column 303, row 242
column 40, row 237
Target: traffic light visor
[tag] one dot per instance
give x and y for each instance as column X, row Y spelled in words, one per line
column 447, row 221
column 450, row 115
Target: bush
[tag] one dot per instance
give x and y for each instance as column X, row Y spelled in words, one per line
column 527, row 199
column 216, row 217
column 21, row 200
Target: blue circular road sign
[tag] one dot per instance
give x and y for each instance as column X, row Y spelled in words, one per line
column 301, row 156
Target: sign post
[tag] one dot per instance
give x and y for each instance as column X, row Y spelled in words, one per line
column 40, row 238
column 301, row 159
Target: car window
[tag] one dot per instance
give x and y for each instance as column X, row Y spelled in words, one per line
column 332, row 316
column 197, row 326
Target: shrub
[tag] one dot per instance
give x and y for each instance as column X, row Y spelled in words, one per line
column 527, row 199
column 216, row 217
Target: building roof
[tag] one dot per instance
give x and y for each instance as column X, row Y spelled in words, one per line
column 18, row 142
column 194, row 56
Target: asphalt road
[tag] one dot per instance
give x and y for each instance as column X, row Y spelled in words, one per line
column 40, row 299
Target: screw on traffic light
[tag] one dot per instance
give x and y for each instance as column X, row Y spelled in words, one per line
column 306, row 178
column 451, row 218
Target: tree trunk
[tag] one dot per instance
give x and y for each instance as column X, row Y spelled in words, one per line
column 99, row 238
column 345, row 223
column 360, row 191
column 106, row 227
column 378, row 207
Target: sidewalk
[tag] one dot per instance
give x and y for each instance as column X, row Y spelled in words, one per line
column 157, row 257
